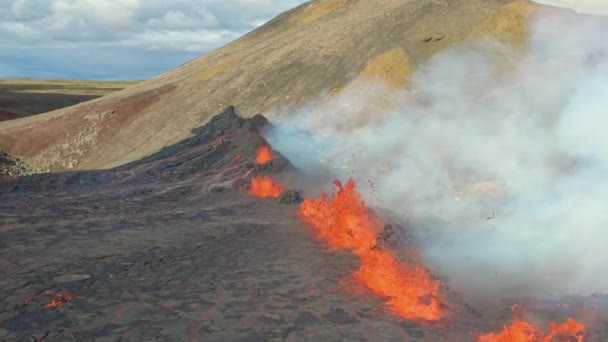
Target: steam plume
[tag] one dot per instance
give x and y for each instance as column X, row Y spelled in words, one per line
column 497, row 159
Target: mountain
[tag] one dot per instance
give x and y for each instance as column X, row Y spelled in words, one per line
column 314, row 49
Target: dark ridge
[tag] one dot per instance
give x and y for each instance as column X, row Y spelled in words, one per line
column 220, row 153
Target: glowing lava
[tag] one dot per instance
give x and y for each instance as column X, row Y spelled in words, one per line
column 410, row 290
column 265, row 187
column 569, row 328
column 344, row 221
column 59, row 299
column 520, row 331
column 264, row 155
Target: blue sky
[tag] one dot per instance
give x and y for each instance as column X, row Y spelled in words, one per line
column 133, row 39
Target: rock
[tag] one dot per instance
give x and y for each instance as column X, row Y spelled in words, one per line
column 291, row 197
column 306, row 319
column 273, row 317
column 13, row 167
column 67, row 278
column 209, row 326
column 340, row 316
column 4, row 332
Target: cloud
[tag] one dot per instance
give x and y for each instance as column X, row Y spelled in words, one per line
column 110, row 14
column 51, row 22
column 171, row 28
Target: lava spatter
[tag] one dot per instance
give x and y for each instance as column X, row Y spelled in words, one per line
column 569, row 328
column 265, row 187
column 344, row 221
column 264, row 155
column 522, row 331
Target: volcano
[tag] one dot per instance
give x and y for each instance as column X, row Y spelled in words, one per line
column 316, row 48
column 162, row 212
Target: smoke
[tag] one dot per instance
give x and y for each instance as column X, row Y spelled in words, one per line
column 497, row 159
column 596, row 7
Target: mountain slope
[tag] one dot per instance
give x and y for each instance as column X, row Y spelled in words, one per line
column 316, row 48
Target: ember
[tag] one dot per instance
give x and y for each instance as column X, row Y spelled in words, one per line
column 265, row 187
column 264, row 155
column 59, row 299
column 344, row 221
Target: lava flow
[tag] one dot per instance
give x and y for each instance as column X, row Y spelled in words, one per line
column 265, row 187
column 344, row 221
column 59, row 299
column 521, row 331
column 264, row 155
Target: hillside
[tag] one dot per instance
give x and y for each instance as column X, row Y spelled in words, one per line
column 316, row 48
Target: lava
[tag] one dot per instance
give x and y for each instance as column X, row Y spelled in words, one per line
column 265, row 187
column 521, row 331
column 410, row 290
column 59, row 299
column 344, row 222
column 264, row 155
column 568, row 328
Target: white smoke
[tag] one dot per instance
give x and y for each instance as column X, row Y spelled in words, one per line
column 498, row 160
column 595, row 7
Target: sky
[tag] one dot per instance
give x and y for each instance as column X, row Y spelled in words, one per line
column 120, row 39
column 134, row 39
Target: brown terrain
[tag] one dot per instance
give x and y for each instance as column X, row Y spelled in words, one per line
column 146, row 228
column 25, row 97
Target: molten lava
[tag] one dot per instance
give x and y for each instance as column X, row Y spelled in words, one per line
column 343, row 221
column 518, row 331
column 569, row 328
column 265, row 187
column 59, row 299
column 521, row 331
column 264, row 155
column 410, row 290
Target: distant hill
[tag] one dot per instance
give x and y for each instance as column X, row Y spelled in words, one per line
column 25, row 96
column 316, row 48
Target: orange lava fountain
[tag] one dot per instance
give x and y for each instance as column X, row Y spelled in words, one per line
column 344, row 222
column 520, row 331
column 265, row 187
column 264, row 155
